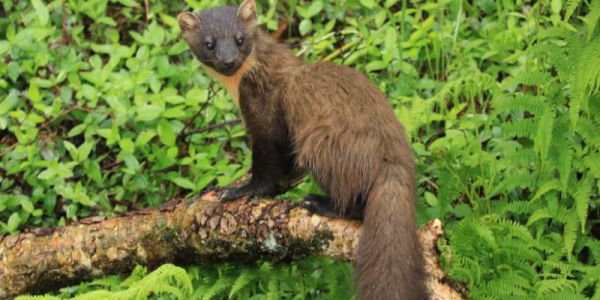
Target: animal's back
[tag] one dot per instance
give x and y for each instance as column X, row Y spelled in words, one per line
column 343, row 127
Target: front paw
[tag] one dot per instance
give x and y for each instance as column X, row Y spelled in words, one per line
column 223, row 194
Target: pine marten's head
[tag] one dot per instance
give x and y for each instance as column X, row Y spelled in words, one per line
column 221, row 38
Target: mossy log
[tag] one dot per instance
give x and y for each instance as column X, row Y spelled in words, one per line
column 181, row 231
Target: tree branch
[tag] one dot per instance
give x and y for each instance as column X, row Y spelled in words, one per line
column 182, row 231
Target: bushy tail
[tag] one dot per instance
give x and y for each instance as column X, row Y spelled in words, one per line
column 389, row 264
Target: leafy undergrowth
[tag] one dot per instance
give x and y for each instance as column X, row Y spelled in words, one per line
column 103, row 110
column 310, row 278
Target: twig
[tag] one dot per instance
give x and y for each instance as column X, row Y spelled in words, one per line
column 306, row 46
column 65, row 36
column 283, row 25
column 342, row 49
column 147, row 6
column 112, row 165
column 209, row 97
column 63, row 113
column 10, row 148
column 213, row 127
column 349, row 53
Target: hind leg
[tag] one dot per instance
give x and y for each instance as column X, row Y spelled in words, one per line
column 324, row 206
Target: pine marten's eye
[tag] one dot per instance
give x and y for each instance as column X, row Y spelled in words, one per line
column 239, row 41
column 209, row 46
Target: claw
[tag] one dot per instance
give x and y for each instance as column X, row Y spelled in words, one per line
column 210, row 189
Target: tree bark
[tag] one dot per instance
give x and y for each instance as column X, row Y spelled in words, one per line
column 183, row 231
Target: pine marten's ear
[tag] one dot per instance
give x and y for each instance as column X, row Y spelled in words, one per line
column 188, row 21
column 247, row 12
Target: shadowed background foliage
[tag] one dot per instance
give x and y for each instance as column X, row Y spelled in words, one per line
column 103, row 110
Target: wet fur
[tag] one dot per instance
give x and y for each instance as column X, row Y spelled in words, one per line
column 333, row 122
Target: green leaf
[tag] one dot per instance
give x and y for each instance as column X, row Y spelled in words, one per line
column 27, row 205
column 177, row 112
column 41, row 10
column 4, row 47
column 9, row 102
column 14, row 70
column 116, row 104
column 131, row 162
column 166, row 133
column 71, row 149
column 13, row 222
column 93, row 171
column 47, row 174
column 556, row 6
column 184, row 183
column 130, row 3
column 144, row 137
column 178, row 48
column 376, row 65
column 368, row 3
column 34, row 92
column 312, row 10
column 305, row 26
column 127, row 145
column 148, row 113
column 84, row 151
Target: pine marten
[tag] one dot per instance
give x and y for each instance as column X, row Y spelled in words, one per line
column 323, row 118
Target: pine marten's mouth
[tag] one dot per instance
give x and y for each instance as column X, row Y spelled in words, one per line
column 228, row 71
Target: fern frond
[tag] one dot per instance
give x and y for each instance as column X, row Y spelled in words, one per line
column 553, row 286
column 474, row 232
column 217, row 288
column 515, row 207
column 570, row 234
column 545, row 188
column 536, row 77
column 592, row 162
column 158, row 288
column 524, row 155
column 511, row 228
column 539, row 214
column 566, row 296
column 591, row 277
column 593, row 17
column 582, row 197
column 564, row 153
column 100, row 295
column 244, row 279
column 518, row 103
column 138, row 273
column 571, row 6
column 509, row 285
column 588, row 130
column 543, row 136
column 518, row 179
column 520, row 129
column 37, row 298
column 565, row 269
column 448, row 185
column 586, row 79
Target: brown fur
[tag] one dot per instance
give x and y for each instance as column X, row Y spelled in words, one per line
column 332, row 121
